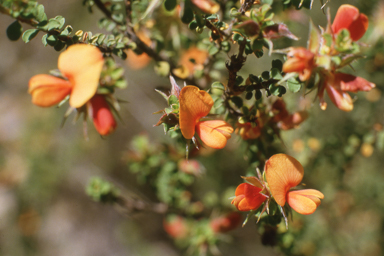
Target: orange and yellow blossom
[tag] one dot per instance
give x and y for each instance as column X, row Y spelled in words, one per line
column 338, row 85
column 195, row 104
column 301, row 61
column 348, row 17
column 102, row 116
column 249, row 131
column 81, row 65
column 284, row 172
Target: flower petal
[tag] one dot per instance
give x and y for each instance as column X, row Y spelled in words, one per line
column 103, row 118
column 248, row 197
column 81, row 64
column 194, row 104
column 352, row 83
column 282, row 172
column 348, row 17
column 341, row 99
column 214, row 133
column 304, row 201
column 48, row 90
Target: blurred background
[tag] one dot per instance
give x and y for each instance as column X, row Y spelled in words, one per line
column 44, row 168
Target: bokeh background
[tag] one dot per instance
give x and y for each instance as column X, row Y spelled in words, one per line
column 44, row 168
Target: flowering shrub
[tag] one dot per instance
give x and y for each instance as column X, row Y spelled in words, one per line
column 244, row 106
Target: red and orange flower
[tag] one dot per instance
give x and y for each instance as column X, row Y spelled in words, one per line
column 282, row 173
column 194, row 105
column 348, row 17
column 81, row 65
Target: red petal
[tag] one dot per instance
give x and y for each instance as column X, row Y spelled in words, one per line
column 103, row 118
column 352, row 83
column 341, row 99
column 348, row 17
column 48, row 90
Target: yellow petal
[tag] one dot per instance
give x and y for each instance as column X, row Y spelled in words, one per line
column 194, row 104
column 81, row 64
column 214, row 133
column 48, row 90
column 282, row 172
column 304, row 201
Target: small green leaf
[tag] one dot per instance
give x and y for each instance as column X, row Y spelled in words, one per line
column 212, row 50
column 277, row 90
column 218, row 85
column 121, row 83
column 162, row 68
column 187, row 15
column 14, row 31
column 293, row 85
column 44, row 39
column 170, row 4
column 40, row 14
column 52, row 40
column 66, row 31
column 173, row 100
column 277, row 64
column 237, row 101
column 59, row 45
column 117, row 73
column 29, row 34
column 275, row 74
column 249, row 95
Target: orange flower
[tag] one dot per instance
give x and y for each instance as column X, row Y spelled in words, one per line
column 176, row 226
column 248, row 132
column 284, row 119
column 193, row 59
column 103, row 118
column 225, row 223
column 337, row 85
column 136, row 61
column 195, row 104
column 284, row 172
column 248, row 196
column 300, row 60
column 81, row 64
column 348, row 17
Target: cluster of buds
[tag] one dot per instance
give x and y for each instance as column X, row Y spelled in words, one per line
column 80, row 66
column 328, row 52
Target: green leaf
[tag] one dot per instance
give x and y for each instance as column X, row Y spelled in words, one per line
column 61, row 21
column 278, row 64
column 40, row 13
column 66, row 31
column 249, row 95
column 117, row 73
column 237, row 101
column 187, row 15
column 212, row 50
column 52, row 40
column 275, row 74
column 172, row 100
column 277, row 90
column 169, row 5
column 14, row 31
column 218, row 85
column 44, row 39
column 59, row 45
column 162, row 68
column 29, row 34
column 314, row 36
column 121, row 83
column 293, row 85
